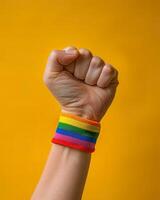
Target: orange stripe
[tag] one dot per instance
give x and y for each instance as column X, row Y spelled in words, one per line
column 95, row 123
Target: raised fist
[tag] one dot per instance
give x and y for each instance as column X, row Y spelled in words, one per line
column 83, row 84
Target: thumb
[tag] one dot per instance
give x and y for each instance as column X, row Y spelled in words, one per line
column 59, row 58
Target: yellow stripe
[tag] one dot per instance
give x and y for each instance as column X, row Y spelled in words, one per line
column 79, row 124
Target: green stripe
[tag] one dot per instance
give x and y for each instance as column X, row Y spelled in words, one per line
column 77, row 130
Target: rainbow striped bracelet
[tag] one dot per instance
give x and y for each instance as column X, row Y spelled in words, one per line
column 76, row 132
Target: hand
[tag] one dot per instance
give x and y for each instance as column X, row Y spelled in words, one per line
column 83, row 84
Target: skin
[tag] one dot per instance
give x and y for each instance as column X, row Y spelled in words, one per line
column 84, row 85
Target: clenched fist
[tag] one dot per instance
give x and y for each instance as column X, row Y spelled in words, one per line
column 83, row 84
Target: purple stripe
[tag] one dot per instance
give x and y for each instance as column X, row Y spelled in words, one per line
column 74, row 140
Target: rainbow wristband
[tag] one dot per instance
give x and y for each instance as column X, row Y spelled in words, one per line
column 77, row 132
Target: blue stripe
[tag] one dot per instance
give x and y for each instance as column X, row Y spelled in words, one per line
column 75, row 135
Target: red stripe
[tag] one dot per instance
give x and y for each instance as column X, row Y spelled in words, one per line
column 72, row 145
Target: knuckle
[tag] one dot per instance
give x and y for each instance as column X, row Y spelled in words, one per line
column 85, row 52
column 70, row 47
column 110, row 69
column 97, row 60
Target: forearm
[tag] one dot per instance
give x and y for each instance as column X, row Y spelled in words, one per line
column 64, row 175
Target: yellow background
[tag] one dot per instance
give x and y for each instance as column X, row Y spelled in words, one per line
column 126, row 164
